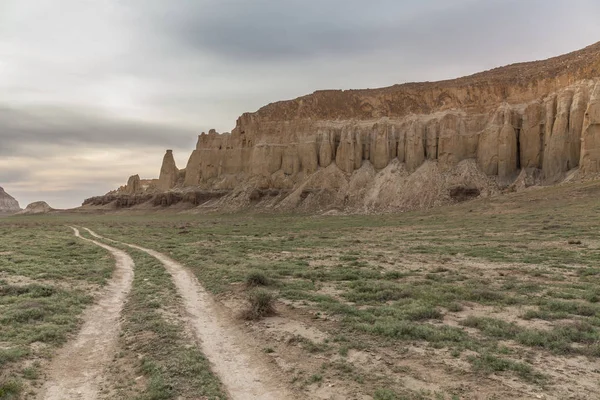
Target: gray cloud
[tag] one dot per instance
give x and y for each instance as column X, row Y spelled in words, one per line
column 264, row 31
column 28, row 131
column 10, row 175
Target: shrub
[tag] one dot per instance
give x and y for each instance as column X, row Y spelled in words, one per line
column 10, row 389
column 260, row 304
column 256, row 278
column 455, row 307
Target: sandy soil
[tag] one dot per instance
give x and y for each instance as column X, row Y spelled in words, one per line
column 77, row 370
column 244, row 371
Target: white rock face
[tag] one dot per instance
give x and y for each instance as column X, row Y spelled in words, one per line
column 39, row 207
column 7, row 203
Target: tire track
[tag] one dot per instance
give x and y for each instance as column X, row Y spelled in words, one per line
column 243, row 372
column 77, row 370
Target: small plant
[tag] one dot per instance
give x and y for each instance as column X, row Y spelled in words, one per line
column 343, row 351
column 10, row 389
column 455, row 307
column 32, row 372
column 316, row 378
column 385, row 394
column 488, row 363
column 261, row 303
column 256, row 278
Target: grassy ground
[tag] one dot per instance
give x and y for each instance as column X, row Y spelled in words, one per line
column 47, row 278
column 494, row 287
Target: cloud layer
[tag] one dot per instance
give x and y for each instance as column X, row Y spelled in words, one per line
column 92, row 92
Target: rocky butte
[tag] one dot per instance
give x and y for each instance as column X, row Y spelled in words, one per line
column 402, row 147
column 37, row 207
column 8, row 204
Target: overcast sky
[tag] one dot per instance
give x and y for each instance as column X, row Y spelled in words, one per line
column 93, row 91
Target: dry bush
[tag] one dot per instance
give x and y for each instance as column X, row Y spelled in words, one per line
column 261, row 303
column 257, row 278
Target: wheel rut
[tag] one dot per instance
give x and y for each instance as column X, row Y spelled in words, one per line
column 242, row 370
column 77, row 370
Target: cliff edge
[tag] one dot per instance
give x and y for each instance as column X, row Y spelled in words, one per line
column 397, row 148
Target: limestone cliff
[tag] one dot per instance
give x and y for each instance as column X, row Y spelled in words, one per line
column 406, row 146
column 7, row 203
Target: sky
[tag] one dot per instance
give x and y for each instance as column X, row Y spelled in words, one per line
column 92, row 92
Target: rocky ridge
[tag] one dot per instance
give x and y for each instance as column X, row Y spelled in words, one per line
column 403, row 147
column 8, row 204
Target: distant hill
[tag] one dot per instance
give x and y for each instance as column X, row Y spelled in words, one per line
column 39, row 207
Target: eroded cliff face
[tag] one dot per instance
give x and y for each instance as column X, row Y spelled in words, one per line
column 8, row 204
column 411, row 145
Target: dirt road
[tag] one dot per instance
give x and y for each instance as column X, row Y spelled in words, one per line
column 244, row 373
column 77, row 370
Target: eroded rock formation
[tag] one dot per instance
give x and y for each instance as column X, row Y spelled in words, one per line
column 38, row 207
column 8, row 204
column 423, row 142
column 169, row 173
column 590, row 142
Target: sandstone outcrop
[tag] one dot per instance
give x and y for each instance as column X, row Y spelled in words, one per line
column 38, row 207
column 134, row 184
column 8, row 204
column 414, row 145
column 169, row 173
column 590, row 142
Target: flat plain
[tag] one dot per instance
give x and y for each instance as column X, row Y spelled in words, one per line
column 495, row 298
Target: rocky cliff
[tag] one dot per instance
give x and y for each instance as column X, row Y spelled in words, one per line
column 7, row 203
column 406, row 146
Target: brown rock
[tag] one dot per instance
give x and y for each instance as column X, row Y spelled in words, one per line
column 431, row 147
column 393, row 141
column 168, row 172
column 401, row 152
column 308, row 153
column 532, row 136
column 358, row 149
column 590, row 147
column 557, row 146
column 134, row 184
column 507, row 149
column 193, row 170
column 487, row 149
column 345, row 154
column 576, row 119
column 326, row 150
column 452, row 146
column 380, row 142
column 415, row 146
column 290, row 163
